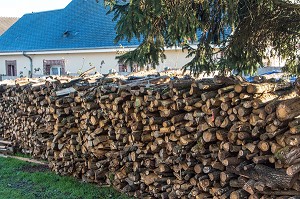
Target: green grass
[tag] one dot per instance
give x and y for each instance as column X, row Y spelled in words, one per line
column 18, row 154
column 19, row 181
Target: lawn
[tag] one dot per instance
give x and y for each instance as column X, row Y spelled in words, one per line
column 22, row 180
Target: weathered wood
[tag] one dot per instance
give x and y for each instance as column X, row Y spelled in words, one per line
column 267, row 87
column 288, row 109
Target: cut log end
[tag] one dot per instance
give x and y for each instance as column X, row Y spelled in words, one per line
column 282, row 112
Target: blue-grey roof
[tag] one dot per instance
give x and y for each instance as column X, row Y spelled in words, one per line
column 83, row 24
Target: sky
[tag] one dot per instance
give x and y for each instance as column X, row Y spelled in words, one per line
column 17, row 8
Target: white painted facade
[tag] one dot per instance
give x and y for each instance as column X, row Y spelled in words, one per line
column 77, row 61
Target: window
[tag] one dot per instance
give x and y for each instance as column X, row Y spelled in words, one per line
column 135, row 68
column 122, row 68
column 11, row 68
column 125, row 68
column 55, row 70
column 54, row 67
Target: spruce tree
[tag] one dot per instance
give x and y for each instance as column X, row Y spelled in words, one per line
column 259, row 30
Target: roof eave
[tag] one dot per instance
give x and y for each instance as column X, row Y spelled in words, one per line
column 69, row 51
column 78, row 50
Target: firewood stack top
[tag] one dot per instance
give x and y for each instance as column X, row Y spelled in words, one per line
column 159, row 137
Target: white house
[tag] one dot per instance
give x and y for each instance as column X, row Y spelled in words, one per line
column 68, row 40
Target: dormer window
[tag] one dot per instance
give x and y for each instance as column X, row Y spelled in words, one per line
column 67, row 33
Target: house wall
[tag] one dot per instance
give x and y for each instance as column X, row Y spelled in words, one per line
column 76, row 62
column 81, row 61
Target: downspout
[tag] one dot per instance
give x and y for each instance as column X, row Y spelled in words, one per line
column 31, row 64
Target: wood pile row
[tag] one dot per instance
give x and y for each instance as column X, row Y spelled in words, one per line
column 5, row 146
column 162, row 138
column 27, row 110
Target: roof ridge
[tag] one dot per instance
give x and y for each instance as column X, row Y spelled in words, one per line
column 45, row 11
column 39, row 12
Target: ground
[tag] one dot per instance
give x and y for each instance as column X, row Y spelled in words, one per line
column 22, row 180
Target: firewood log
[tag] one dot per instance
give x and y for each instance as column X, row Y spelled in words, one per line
column 288, row 109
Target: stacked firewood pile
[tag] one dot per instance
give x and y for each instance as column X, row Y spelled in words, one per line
column 27, row 113
column 162, row 138
column 5, row 146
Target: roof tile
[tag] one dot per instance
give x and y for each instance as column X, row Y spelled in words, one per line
column 83, row 24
